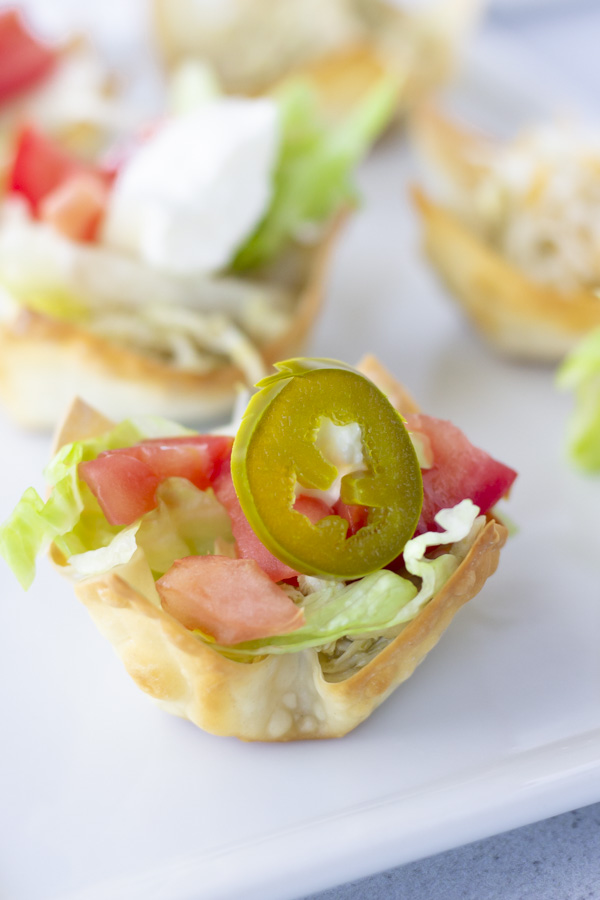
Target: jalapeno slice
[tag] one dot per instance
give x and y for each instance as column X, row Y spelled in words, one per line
column 275, row 449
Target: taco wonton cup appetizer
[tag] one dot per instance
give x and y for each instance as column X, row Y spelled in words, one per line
column 513, row 231
column 279, row 585
column 343, row 47
column 160, row 278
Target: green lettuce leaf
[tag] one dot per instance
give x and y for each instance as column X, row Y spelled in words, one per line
column 376, row 602
column 581, row 372
column 33, row 525
column 117, row 552
column 71, row 517
column 313, row 179
column 55, row 304
column 186, row 522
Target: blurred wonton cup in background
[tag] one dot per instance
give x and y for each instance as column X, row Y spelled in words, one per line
column 342, row 47
column 514, row 231
column 45, row 360
column 158, row 282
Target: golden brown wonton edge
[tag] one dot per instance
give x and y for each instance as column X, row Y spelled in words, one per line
column 518, row 316
column 45, row 362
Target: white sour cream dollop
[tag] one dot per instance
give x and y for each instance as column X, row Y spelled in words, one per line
column 341, row 445
column 197, row 188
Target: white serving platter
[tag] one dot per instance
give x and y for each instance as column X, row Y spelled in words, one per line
column 105, row 796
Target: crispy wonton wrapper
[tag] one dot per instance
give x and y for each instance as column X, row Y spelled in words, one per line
column 279, row 698
column 45, row 362
column 342, row 47
column 520, row 317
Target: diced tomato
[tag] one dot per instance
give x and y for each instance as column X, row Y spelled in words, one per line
column 355, row 515
column 233, row 600
column 40, row 166
column 195, row 457
column 313, row 508
column 124, row 486
column 316, row 509
column 124, row 481
column 248, row 545
column 459, row 471
column 24, row 61
column 76, row 207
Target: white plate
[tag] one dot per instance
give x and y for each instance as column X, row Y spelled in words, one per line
column 103, row 795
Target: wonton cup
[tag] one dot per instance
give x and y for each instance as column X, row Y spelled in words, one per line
column 45, row 362
column 517, row 315
column 342, row 49
column 280, row 697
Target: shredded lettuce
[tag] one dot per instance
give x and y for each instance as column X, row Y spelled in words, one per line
column 32, row 527
column 56, row 304
column 118, row 552
column 313, row 179
column 581, row 372
column 376, row 602
column 186, row 522
column 71, row 517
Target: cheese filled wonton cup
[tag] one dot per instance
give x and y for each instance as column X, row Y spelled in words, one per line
column 314, row 691
column 510, row 229
column 341, row 47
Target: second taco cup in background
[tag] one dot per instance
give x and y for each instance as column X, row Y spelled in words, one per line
column 511, row 228
column 206, row 260
column 342, row 47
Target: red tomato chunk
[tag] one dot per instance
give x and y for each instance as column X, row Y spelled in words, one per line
column 24, row 61
column 248, row 545
column 76, row 207
column 313, row 508
column 232, row 600
column 124, row 481
column 356, row 516
column 459, row 471
column 40, row 166
column 124, row 486
column 316, row 509
column 195, row 457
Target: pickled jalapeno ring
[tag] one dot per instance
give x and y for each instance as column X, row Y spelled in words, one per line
column 275, row 456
